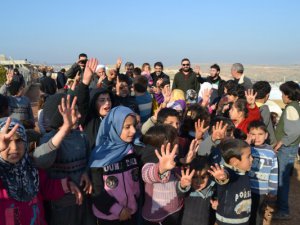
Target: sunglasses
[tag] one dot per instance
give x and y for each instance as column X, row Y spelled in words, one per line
column 185, row 64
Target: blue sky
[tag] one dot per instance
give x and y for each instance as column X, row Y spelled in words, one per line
column 56, row 31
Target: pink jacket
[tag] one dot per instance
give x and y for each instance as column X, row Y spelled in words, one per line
column 121, row 181
column 13, row 212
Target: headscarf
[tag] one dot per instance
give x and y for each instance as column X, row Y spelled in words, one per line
column 203, row 87
column 110, row 148
column 21, row 180
column 177, row 94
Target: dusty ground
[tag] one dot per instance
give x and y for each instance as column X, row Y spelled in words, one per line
column 33, row 94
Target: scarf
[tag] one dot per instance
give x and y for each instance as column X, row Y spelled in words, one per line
column 21, row 179
column 110, row 148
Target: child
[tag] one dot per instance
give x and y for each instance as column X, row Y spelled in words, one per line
column 264, row 171
column 162, row 204
column 19, row 105
column 197, row 208
column 146, row 71
column 263, row 89
column 67, row 160
column 233, row 189
column 142, row 97
column 288, row 136
column 43, row 126
column 114, row 168
column 243, row 112
column 22, row 187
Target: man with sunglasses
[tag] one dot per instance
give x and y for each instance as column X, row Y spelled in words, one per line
column 79, row 66
column 186, row 78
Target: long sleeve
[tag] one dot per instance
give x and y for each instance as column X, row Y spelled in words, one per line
column 147, row 125
column 266, row 116
column 71, row 73
column 83, row 99
column 291, row 126
column 3, row 90
column 205, row 146
column 100, row 198
column 273, row 178
column 150, row 174
column 44, row 155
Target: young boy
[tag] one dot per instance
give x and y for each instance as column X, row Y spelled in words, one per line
column 142, row 97
column 197, row 209
column 264, row 170
column 233, row 189
column 263, row 89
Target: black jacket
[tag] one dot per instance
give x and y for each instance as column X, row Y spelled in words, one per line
column 218, row 86
column 163, row 76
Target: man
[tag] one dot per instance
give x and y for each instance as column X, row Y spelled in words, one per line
column 215, row 80
column 18, row 77
column 186, row 78
column 237, row 71
column 158, row 73
column 77, row 67
column 61, row 79
column 48, row 85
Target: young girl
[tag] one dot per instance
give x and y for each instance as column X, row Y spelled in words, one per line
column 23, row 187
column 243, row 112
column 67, row 160
column 233, row 189
column 146, row 71
column 162, row 204
column 114, row 169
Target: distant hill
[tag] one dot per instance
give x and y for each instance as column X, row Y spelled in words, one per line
column 271, row 73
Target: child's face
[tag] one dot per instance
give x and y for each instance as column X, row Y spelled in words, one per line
column 147, row 68
column 200, row 180
column 15, row 151
column 234, row 113
column 128, row 130
column 173, row 121
column 103, row 104
column 258, row 136
column 246, row 160
column 285, row 98
column 231, row 98
column 124, row 89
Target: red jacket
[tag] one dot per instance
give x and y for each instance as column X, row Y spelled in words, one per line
column 13, row 212
column 253, row 114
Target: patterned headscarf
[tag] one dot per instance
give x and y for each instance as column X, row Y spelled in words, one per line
column 21, row 179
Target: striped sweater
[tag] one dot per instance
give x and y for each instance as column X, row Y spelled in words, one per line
column 161, row 199
column 264, row 170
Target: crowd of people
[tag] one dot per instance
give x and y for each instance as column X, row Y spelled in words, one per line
column 137, row 148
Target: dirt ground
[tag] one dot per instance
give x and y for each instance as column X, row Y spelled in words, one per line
column 294, row 198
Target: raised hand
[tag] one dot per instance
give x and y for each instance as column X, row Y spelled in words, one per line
column 89, row 70
column 186, row 178
column 166, row 158
column 156, row 112
column 206, row 97
column 9, row 76
column 85, row 182
column 119, row 63
column 250, row 97
column 118, row 86
column 200, row 129
column 218, row 172
column 6, row 136
column 159, row 82
column 218, row 131
column 197, row 69
column 69, row 113
column 192, row 152
column 167, row 93
column 75, row 190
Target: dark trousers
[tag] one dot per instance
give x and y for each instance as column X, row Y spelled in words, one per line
column 257, row 204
